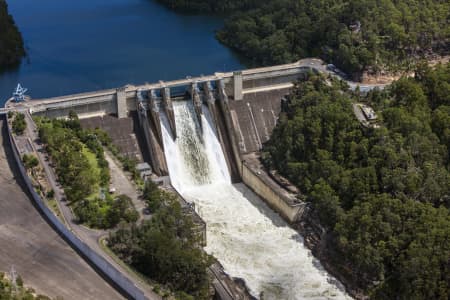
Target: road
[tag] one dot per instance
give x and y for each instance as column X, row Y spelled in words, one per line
column 123, row 184
column 43, row 259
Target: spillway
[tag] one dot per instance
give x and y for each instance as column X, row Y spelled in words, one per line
column 251, row 241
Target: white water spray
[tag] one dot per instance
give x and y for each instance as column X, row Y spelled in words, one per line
column 251, row 241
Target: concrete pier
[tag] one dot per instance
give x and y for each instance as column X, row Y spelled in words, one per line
column 153, row 141
column 210, row 100
column 195, row 96
column 121, row 97
column 237, row 85
column 168, row 108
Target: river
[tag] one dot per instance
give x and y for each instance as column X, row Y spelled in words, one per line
column 85, row 45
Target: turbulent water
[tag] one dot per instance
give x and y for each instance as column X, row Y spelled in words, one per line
column 250, row 241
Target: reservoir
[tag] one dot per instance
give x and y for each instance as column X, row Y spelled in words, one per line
column 86, row 45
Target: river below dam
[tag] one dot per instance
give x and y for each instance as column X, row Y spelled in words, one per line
column 87, row 45
column 251, row 241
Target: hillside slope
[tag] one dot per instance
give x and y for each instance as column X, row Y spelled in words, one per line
column 356, row 35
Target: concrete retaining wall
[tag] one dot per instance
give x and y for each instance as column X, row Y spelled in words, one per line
column 106, row 107
column 126, row 286
column 275, row 199
column 290, row 212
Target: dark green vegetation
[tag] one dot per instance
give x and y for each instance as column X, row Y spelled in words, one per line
column 382, row 194
column 11, row 43
column 210, row 5
column 30, row 161
column 83, row 171
column 18, row 124
column 18, row 292
column 165, row 248
column 356, row 35
column 128, row 163
column 106, row 213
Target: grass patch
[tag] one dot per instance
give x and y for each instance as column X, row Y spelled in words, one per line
column 53, row 205
column 93, row 162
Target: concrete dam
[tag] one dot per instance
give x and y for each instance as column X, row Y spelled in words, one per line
column 205, row 133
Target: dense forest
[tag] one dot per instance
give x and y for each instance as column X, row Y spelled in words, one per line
column 355, row 35
column 383, row 194
column 11, row 43
column 213, row 6
column 166, row 247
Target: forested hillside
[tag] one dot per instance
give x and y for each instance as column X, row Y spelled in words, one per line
column 210, row 5
column 356, row 35
column 383, row 194
column 11, row 44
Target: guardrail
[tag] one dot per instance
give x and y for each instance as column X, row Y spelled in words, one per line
column 124, row 285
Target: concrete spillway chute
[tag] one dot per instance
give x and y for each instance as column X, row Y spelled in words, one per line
column 168, row 108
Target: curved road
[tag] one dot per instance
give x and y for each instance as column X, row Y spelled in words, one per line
column 39, row 255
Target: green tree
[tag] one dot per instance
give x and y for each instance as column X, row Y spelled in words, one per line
column 30, row 161
column 18, row 124
column 383, row 194
column 165, row 248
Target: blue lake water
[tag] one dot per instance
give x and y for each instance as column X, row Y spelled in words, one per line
column 84, row 45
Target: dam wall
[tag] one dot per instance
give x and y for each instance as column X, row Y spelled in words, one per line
column 244, row 106
column 122, row 100
column 110, row 272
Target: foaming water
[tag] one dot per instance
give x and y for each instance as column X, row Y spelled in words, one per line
column 249, row 239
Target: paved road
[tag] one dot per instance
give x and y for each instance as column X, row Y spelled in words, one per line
column 44, row 260
column 123, row 185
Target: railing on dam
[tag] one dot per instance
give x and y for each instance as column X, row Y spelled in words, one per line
column 249, row 74
column 236, row 83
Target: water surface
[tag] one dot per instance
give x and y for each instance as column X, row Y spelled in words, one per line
column 84, row 45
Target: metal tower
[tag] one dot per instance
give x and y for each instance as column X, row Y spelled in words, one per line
column 19, row 93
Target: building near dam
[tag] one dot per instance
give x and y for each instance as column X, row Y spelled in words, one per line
column 205, row 133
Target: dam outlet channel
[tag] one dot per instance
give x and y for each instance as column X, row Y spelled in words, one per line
column 250, row 240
